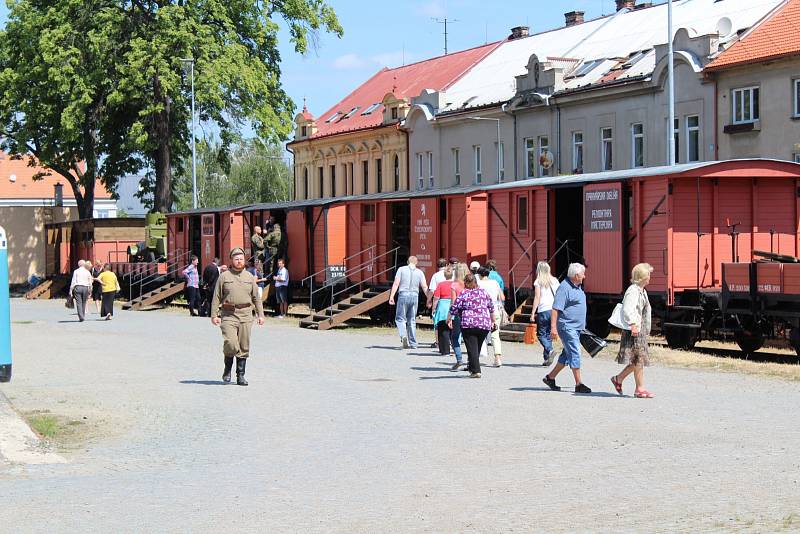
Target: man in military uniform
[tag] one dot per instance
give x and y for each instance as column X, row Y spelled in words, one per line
column 235, row 296
column 273, row 242
column 257, row 240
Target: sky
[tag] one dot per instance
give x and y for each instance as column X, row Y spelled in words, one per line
column 375, row 37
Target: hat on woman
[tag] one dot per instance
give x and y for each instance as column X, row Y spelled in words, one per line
column 474, row 266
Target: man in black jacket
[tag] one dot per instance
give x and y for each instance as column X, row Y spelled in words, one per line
column 210, row 275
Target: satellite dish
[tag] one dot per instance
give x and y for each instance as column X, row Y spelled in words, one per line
column 546, row 159
column 724, row 26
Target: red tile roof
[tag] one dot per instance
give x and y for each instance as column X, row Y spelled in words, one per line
column 778, row 35
column 16, row 181
column 407, row 81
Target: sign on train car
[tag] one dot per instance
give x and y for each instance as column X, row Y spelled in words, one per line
column 602, row 237
column 424, row 232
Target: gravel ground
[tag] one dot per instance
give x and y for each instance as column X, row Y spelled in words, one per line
column 342, row 431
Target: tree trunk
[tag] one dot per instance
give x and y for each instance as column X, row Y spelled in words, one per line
column 162, row 155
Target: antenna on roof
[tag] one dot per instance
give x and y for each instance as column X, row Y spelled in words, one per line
column 445, row 21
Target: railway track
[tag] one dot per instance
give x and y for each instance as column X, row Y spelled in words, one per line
column 732, row 352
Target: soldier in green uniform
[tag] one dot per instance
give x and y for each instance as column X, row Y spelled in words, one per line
column 257, row 240
column 273, row 242
column 235, row 296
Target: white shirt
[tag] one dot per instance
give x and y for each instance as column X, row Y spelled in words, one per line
column 493, row 288
column 547, row 296
column 282, row 277
column 436, row 279
column 81, row 277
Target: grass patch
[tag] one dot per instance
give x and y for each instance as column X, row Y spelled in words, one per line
column 790, row 520
column 45, row 425
column 57, row 429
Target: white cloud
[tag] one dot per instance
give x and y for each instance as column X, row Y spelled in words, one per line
column 349, row 62
column 434, row 8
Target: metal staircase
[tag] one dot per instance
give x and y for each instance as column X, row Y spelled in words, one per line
column 517, row 322
column 346, row 309
column 155, row 296
column 49, row 288
column 152, row 283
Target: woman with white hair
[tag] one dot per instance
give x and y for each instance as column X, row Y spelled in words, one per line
column 636, row 317
column 544, row 288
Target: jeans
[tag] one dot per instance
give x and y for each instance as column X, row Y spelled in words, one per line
column 455, row 338
column 571, row 355
column 193, row 298
column 81, row 295
column 543, row 332
column 406, row 317
column 473, row 338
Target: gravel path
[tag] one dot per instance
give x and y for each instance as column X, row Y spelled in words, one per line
column 342, row 431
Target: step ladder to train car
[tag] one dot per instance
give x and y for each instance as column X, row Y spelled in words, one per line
column 518, row 321
column 346, row 309
column 155, row 296
column 48, row 289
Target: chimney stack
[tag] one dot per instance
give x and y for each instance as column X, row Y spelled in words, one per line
column 573, row 17
column 629, row 4
column 518, row 32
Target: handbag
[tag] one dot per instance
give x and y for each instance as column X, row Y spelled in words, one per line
column 70, row 303
column 616, row 318
column 530, row 334
column 592, row 343
column 503, row 318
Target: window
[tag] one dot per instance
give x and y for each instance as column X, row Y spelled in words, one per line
column 637, row 145
column 522, row 214
column 420, row 176
column 796, row 157
column 303, row 131
column 478, row 174
column 333, row 117
column 442, row 209
column 351, row 178
column 396, row 173
column 745, row 105
column 531, row 158
column 394, row 113
column 365, row 176
column 370, row 109
column 457, row 165
column 693, row 138
column 350, row 113
column 577, row 152
column 587, row 67
column 379, row 174
column 544, row 148
column 430, row 169
column 180, row 224
column 333, row 180
column 607, row 149
column 368, row 213
column 796, row 93
column 676, row 139
column 305, row 183
column 501, row 163
column 321, row 172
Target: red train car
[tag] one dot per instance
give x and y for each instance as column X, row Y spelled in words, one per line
column 205, row 232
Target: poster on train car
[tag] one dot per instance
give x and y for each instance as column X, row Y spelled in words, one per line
column 602, row 238
column 424, row 233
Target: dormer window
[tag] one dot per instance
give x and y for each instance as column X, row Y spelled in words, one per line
column 370, row 109
column 350, row 113
column 587, row 67
column 333, row 117
column 304, row 131
column 634, row 59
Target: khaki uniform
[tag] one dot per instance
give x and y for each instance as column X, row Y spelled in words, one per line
column 235, row 296
column 273, row 242
column 258, row 246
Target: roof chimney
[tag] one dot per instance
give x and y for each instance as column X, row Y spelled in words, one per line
column 517, row 32
column 573, row 17
column 629, row 4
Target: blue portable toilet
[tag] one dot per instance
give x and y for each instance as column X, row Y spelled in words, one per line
column 5, row 312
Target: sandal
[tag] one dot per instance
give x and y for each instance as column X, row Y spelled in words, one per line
column 617, row 385
column 643, row 394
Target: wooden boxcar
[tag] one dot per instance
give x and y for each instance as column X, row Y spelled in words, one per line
column 206, row 233
column 106, row 240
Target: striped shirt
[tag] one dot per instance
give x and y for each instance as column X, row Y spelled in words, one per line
column 192, row 276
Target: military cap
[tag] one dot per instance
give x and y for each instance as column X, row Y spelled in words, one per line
column 237, row 250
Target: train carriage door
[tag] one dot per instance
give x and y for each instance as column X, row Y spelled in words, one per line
column 208, row 246
column 424, row 237
column 567, row 238
column 603, row 238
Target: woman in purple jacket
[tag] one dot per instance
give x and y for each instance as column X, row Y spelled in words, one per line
column 474, row 306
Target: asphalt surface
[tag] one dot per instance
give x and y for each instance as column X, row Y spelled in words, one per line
column 342, row 431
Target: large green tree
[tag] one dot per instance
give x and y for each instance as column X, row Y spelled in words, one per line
column 96, row 89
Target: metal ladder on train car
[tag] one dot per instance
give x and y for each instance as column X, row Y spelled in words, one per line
column 148, row 274
column 356, row 304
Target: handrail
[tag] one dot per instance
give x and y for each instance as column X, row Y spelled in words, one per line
column 524, row 254
column 173, row 261
column 534, row 261
column 564, row 245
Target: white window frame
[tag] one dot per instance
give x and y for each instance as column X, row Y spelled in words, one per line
column 604, row 164
column 689, row 131
column 530, row 148
column 457, row 165
column 634, row 137
column 501, row 155
column 420, row 170
column 796, row 95
column 478, row 163
column 796, row 157
column 745, row 92
column 543, row 147
column 577, row 147
column 430, row 169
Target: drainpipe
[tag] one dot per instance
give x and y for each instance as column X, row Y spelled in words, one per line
column 514, row 115
column 558, row 135
column 292, row 188
column 716, row 120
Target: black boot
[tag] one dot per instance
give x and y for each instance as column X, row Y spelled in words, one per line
column 240, row 365
column 226, row 375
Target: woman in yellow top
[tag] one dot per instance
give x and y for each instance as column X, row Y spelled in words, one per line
column 109, row 286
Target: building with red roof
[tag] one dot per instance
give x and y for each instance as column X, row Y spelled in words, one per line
column 758, row 89
column 357, row 146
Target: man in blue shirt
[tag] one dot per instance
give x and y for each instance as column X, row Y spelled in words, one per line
column 567, row 321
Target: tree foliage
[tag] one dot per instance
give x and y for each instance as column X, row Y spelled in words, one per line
column 253, row 172
column 103, row 81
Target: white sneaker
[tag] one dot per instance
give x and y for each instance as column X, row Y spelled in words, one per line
column 404, row 341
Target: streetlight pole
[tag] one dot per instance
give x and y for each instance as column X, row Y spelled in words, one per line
column 671, row 86
column 499, row 179
column 194, row 152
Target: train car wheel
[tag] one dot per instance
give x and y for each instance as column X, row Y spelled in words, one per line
column 795, row 340
column 680, row 338
column 749, row 341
